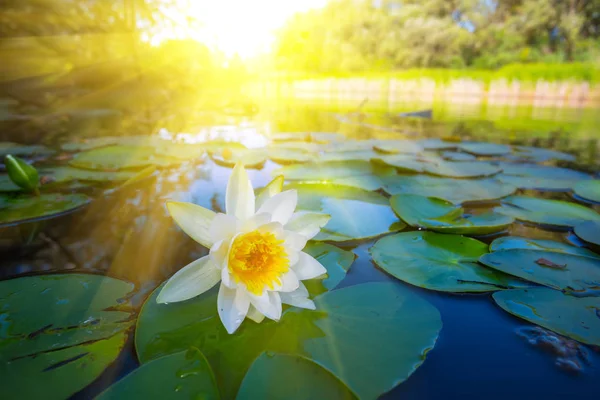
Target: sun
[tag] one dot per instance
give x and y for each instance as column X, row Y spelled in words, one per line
column 243, row 27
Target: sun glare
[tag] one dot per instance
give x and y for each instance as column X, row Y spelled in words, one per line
column 240, row 27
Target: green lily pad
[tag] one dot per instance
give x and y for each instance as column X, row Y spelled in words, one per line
column 344, row 204
column 182, row 151
column 289, row 156
column 413, row 208
column 436, row 261
column 439, row 167
column 541, row 177
column 23, row 150
column 455, row 191
column 438, row 144
column 282, row 376
column 182, row 375
column 335, row 260
column 480, row 224
column 553, row 213
column 250, row 158
column 458, row 156
column 67, row 174
column 105, row 141
column 114, row 158
column 7, row 185
column 589, row 232
column 398, row 146
column 485, row 149
column 63, row 331
column 359, row 155
column 566, row 315
column 537, row 154
column 588, row 190
column 331, row 170
column 442, row 216
column 326, row 137
column 28, row 208
column 515, row 242
column 382, row 333
column 556, row 270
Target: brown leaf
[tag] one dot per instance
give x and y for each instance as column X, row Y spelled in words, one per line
column 547, row 263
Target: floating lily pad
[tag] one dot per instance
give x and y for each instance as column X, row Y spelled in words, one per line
column 7, row 185
column 485, row 149
column 326, row 137
column 359, row 155
column 279, row 376
column 344, row 204
column 556, row 270
column 250, row 158
column 289, row 156
column 537, row 154
column 67, row 174
column 331, row 170
column 541, row 177
column 574, row 317
column 114, row 158
column 23, row 150
column 335, row 260
column 436, row 261
column 182, row 375
column 27, row 208
column 398, row 146
column 553, row 213
column 105, row 141
column 588, row 190
column 182, row 151
column 515, row 242
column 589, row 232
column 396, row 327
column 442, row 216
column 458, row 156
column 455, row 191
column 439, row 167
column 438, row 144
column 64, row 330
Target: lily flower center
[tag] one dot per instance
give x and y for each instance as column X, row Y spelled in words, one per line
column 258, row 259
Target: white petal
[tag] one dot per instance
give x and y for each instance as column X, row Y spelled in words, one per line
column 307, row 224
column 254, row 315
column 308, row 267
column 289, row 282
column 190, row 281
column 233, row 306
column 239, row 198
column 272, row 188
column 274, row 227
column 227, row 279
column 193, row 220
column 293, row 240
column 281, row 206
column 223, row 227
column 268, row 304
column 219, row 252
column 298, row 298
column 255, row 221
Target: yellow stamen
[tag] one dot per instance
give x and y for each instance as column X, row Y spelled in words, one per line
column 258, row 259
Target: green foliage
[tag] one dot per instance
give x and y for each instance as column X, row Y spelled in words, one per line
column 349, row 36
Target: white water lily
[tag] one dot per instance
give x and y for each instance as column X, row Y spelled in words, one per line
column 255, row 252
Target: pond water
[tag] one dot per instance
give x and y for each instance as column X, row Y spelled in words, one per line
column 483, row 251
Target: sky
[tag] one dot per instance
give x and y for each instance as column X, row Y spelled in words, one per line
column 244, row 27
